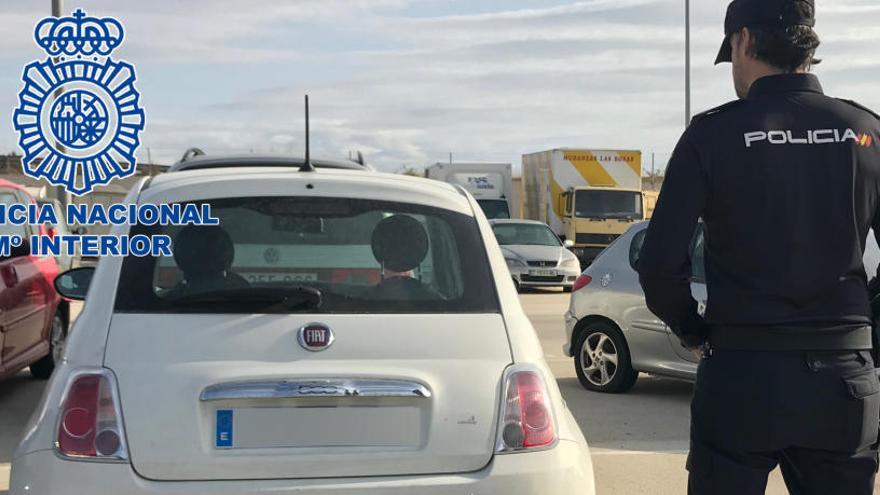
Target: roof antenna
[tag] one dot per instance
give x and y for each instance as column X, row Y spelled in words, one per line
column 307, row 163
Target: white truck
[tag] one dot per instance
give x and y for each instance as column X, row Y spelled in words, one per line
column 491, row 184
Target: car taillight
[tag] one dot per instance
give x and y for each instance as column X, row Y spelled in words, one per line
column 90, row 421
column 581, row 282
column 526, row 415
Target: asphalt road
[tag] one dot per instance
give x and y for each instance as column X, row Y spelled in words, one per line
column 639, row 439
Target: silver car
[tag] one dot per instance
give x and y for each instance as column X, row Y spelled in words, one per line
column 535, row 256
column 612, row 335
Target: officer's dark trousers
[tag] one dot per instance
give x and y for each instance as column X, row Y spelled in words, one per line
column 813, row 414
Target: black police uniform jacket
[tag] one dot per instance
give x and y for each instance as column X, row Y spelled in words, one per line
column 787, row 183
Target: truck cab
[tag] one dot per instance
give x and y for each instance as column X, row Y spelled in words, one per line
column 593, row 217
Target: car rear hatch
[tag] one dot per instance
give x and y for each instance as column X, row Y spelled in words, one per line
column 235, row 396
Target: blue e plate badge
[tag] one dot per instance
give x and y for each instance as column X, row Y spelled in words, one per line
column 224, row 422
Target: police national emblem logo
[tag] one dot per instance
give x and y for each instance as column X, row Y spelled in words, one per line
column 79, row 117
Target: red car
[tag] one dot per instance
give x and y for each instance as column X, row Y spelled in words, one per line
column 33, row 317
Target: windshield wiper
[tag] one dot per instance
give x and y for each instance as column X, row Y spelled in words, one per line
column 296, row 297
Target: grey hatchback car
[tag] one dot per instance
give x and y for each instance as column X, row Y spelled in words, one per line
column 610, row 332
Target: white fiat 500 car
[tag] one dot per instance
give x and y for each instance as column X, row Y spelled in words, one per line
column 339, row 331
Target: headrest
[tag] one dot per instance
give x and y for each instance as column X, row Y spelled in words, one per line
column 399, row 243
column 203, row 250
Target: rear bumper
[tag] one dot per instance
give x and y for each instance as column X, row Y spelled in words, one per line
column 564, row 469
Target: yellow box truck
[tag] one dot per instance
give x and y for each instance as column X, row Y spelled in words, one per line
column 650, row 198
column 589, row 196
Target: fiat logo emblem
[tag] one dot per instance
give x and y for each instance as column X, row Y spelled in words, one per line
column 315, row 337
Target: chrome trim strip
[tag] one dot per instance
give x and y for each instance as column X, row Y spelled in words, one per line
column 321, row 387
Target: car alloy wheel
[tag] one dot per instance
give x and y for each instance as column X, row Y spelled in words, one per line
column 599, row 359
column 602, row 360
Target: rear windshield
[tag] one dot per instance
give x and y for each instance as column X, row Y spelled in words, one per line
column 314, row 255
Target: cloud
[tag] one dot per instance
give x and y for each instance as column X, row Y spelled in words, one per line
column 408, row 81
column 203, row 31
column 526, row 14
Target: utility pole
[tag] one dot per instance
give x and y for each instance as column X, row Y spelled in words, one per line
column 60, row 192
column 687, row 62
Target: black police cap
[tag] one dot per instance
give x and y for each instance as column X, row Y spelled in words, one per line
column 766, row 14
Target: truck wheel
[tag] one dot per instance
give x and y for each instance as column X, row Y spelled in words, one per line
column 602, row 359
column 43, row 368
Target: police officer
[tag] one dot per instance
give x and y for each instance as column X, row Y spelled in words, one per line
column 787, row 183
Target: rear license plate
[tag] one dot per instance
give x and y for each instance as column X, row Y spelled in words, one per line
column 275, row 277
column 542, row 273
column 300, row 427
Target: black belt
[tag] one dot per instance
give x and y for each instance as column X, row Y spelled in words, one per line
column 790, row 338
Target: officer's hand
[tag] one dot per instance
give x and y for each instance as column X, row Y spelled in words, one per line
column 698, row 351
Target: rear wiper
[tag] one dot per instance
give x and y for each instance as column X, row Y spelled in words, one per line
column 296, row 297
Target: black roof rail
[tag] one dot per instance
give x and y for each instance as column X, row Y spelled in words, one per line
column 200, row 162
column 191, row 153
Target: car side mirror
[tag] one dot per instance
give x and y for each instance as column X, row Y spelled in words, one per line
column 74, row 284
column 568, row 243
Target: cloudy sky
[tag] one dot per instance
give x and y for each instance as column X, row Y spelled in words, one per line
column 409, row 81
